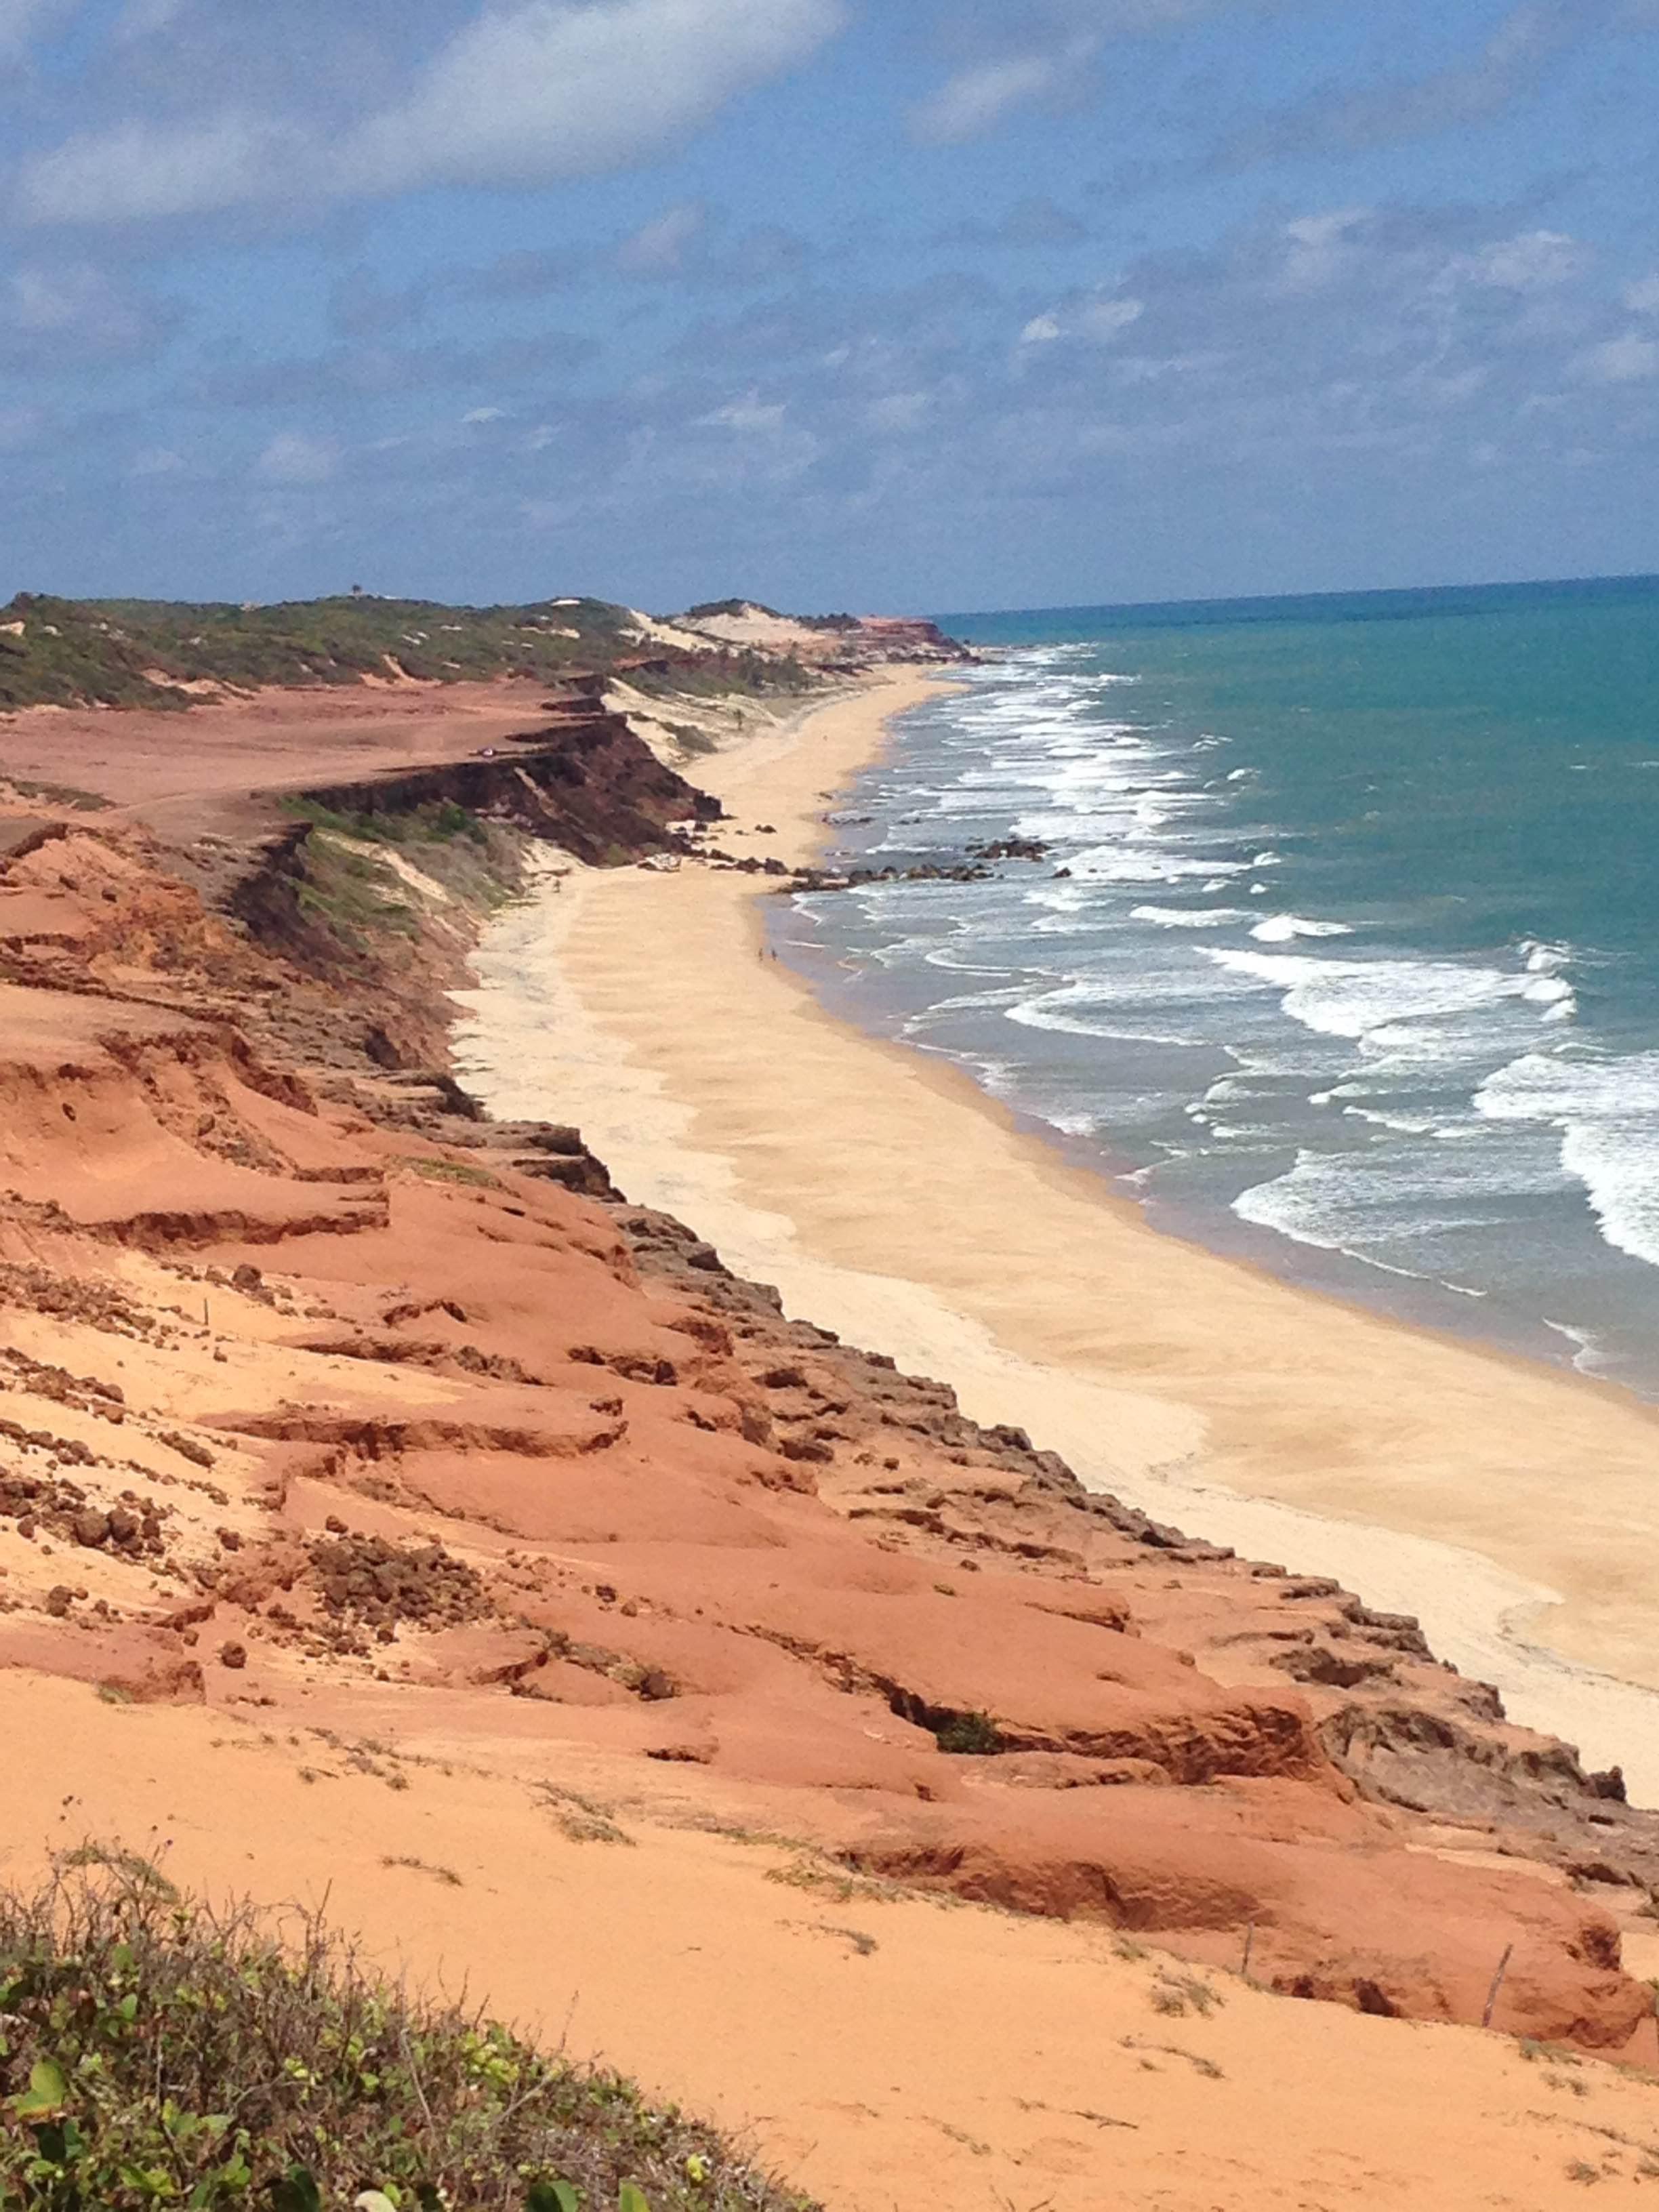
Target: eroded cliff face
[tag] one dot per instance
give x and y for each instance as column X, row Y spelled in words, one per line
column 328, row 1405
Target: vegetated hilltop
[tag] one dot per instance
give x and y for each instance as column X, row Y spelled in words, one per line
column 158, row 652
column 149, row 653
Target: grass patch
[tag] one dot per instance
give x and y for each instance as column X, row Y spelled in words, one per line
column 447, row 1875
column 57, row 794
column 161, row 2053
column 1196, row 2060
column 864, row 1944
column 580, row 1819
column 352, row 895
column 450, row 1171
column 435, row 822
column 1177, row 1993
column 811, row 1870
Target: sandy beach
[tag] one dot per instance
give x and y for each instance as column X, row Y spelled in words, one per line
column 1514, row 1508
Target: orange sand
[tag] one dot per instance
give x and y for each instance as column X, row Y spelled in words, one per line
column 969, row 2058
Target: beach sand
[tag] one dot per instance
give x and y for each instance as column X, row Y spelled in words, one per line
column 1515, row 1509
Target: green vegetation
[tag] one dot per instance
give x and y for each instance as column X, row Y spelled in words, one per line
column 970, row 1735
column 133, row 652
column 351, row 895
column 438, row 822
column 55, row 794
column 166, row 654
column 449, row 1171
column 154, row 2053
column 345, row 880
column 752, row 675
column 707, row 610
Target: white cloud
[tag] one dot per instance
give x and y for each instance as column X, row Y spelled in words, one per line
column 1100, row 319
column 1106, row 319
column 975, row 98
column 1626, row 360
column 1641, row 297
column 294, row 458
column 141, row 171
column 548, row 89
column 476, row 415
column 1319, row 248
column 658, row 248
column 72, row 307
column 899, row 411
column 751, row 416
column 1058, row 42
column 520, row 95
column 1531, row 262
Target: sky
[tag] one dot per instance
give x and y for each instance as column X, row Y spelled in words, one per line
column 873, row 305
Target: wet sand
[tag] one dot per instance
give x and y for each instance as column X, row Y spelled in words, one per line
column 1514, row 1508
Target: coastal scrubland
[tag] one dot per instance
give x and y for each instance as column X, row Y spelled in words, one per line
column 158, row 2050
column 167, row 655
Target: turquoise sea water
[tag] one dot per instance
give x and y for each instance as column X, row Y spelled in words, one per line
column 1344, row 953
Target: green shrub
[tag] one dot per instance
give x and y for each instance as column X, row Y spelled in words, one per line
column 972, row 1734
column 155, row 2052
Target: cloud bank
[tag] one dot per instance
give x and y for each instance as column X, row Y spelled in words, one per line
column 518, row 96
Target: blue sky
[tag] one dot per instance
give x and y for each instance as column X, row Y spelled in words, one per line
column 873, row 304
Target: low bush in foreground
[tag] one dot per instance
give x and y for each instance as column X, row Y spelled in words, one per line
column 154, row 2053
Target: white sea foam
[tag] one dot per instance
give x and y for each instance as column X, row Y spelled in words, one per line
column 1382, row 1004
column 1544, row 959
column 1608, row 1113
column 1146, row 864
column 1590, row 1356
column 1280, row 928
column 1402, row 1125
column 1188, row 917
column 1369, row 1203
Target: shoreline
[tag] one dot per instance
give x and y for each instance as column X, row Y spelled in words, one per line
column 1430, row 1474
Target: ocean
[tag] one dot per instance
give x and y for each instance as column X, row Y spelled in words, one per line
column 1343, row 953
